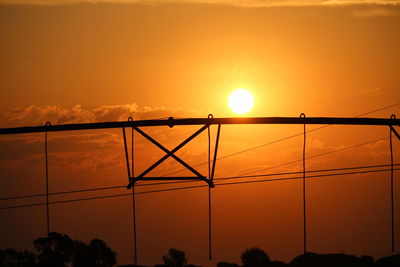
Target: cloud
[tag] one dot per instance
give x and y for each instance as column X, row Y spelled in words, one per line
column 35, row 115
column 374, row 12
column 374, row 91
column 240, row 3
column 360, row 2
column 73, row 150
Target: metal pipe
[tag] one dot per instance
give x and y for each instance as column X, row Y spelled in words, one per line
column 203, row 121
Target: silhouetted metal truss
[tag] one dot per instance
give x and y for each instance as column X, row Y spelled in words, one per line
column 171, row 122
column 205, row 123
column 137, row 126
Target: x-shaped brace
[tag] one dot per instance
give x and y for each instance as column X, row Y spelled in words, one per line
column 171, row 153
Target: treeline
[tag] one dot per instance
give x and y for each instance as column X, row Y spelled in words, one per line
column 60, row 250
column 255, row 257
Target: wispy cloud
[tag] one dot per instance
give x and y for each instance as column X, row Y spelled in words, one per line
column 360, row 2
column 374, row 91
column 241, row 3
column 375, row 12
column 75, row 150
column 38, row 114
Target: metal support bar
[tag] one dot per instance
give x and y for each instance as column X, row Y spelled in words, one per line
column 156, row 178
column 394, row 131
column 209, row 225
column 203, row 121
column 391, row 188
column 215, row 154
column 171, row 153
column 209, row 149
column 126, row 153
column 211, row 185
column 133, row 196
column 303, row 116
column 133, row 188
column 47, row 180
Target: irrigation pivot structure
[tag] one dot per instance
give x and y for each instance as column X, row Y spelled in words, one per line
column 205, row 121
column 138, row 126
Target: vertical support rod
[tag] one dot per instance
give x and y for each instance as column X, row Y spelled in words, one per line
column 209, row 197
column 126, row 154
column 209, row 152
column 391, row 188
column 209, row 225
column 215, row 152
column 133, row 203
column 47, row 180
column 304, row 189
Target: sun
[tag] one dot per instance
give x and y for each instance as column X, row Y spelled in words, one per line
column 241, row 101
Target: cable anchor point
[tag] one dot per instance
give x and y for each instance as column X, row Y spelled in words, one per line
column 171, row 122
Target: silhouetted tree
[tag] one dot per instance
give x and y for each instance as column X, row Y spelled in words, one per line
column 80, row 254
column 227, row 264
column 54, row 250
column 254, row 257
column 367, row 261
column 175, row 258
column 100, row 254
column 330, row 260
column 390, row 261
column 12, row 258
column 277, row 264
column 60, row 250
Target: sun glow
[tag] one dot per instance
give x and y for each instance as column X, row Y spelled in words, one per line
column 241, row 101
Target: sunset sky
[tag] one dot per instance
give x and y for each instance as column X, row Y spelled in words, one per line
column 70, row 61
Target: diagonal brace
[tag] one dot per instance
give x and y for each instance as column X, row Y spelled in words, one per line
column 171, row 153
column 395, row 132
column 126, row 153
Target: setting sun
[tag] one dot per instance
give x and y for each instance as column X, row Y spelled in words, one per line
column 241, row 101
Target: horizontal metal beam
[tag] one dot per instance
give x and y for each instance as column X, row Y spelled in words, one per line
column 202, row 121
column 151, row 178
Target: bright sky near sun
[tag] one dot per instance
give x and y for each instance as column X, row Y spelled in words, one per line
column 185, row 56
column 241, row 101
column 89, row 61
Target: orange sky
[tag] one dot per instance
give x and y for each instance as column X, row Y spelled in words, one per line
column 107, row 60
